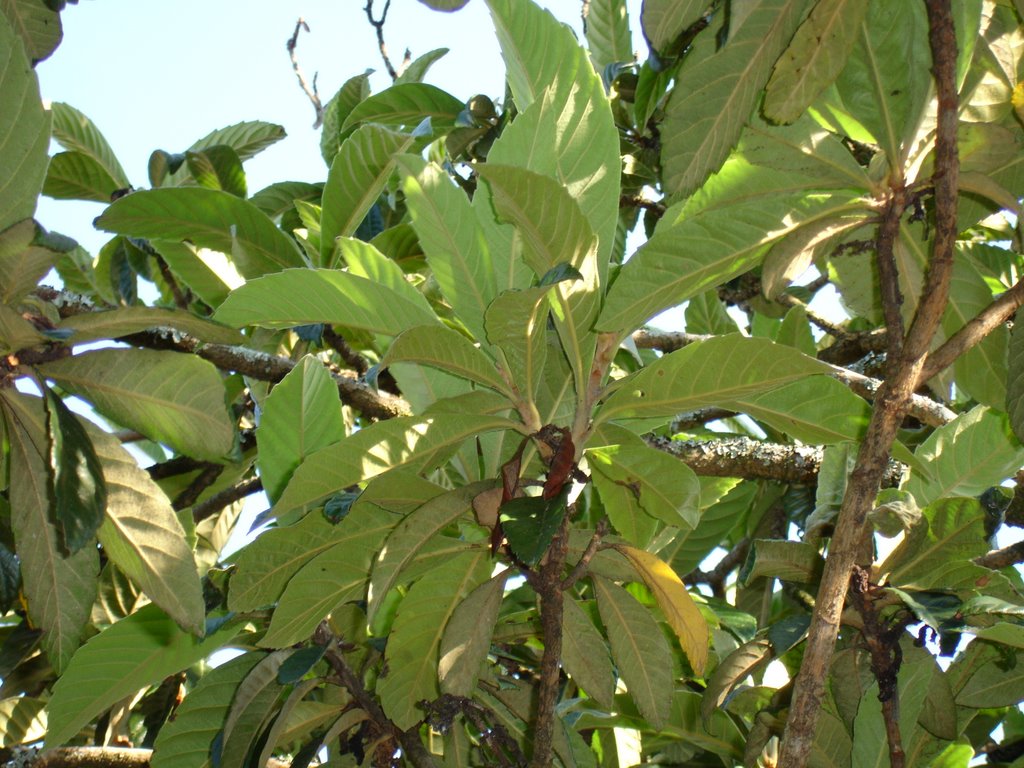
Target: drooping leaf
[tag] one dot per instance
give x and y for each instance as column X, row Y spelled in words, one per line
column 78, row 491
column 78, row 176
column 714, row 98
column 301, row 415
column 675, row 602
column 60, row 590
column 38, row 27
column 209, row 218
column 141, row 534
column 467, row 637
column 304, row 296
column 814, row 58
column 77, row 133
column 217, row 167
column 255, row 699
column 640, row 651
column 24, row 131
column 420, row 442
column 446, row 350
column 412, row 534
column 169, row 397
column 711, row 372
column 414, row 642
column 407, row 104
column 112, row 323
column 358, row 173
column 585, row 654
column 185, row 740
column 140, row 650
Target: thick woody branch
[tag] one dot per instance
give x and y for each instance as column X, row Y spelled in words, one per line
column 1002, row 558
column 105, row 757
column 743, row 457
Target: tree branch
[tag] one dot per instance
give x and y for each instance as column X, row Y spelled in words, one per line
column 1002, row 558
column 218, row 501
column 891, row 403
column 309, row 89
column 105, row 757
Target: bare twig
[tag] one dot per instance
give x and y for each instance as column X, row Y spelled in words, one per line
column 580, row 569
column 308, row 88
column 378, row 25
column 656, row 207
column 892, row 401
column 218, row 501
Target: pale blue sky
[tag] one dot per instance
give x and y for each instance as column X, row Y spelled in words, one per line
column 159, row 74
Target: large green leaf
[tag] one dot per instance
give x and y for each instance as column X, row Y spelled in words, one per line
column 301, row 296
column 16, row 332
column 814, row 58
column 77, row 490
column 639, row 649
column 585, row 654
column 254, row 701
column 185, row 740
column 565, row 129
column 417, row 69
column 414, row 642
column 406, row 104
column 358, row 173
column 172, row 398
column 967, row 456
column 210, row 274
column 138, row 651
column 248, row 138
column 301, row 415
column 218, row 167
column 608, row 35
column 713, row 99
column 412, row 534
column 664, row 20
column 516, row 323
column 143, row 537
column 446, row 350
column 24, row 131
column 77, row 133
column 467, row 637
column 26, row 255
column 336, row 111
column 78, row 176
column 60, row 590
column 209, row 218
column 417, row 442
column 337, row 575
column 112, row 323
column 37, row 25
column 719, row 370
column 938, row 550
column 452, row 239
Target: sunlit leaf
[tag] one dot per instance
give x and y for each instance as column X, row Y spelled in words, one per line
column 112, row 323
column 407, row 104
column 337, row 110
column 446, row 350
column 77, row 133
column 417, row 68
column 78, row 176
column 218, row 167
column 608, row 36
column 22, row 721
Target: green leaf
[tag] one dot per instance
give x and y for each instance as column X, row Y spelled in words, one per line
column 303, row 296
column 24, row 131
column 354, row 90
column 185, row 740
column 445, row 5
column 60, row 590
column 733, row 670
column 365, row 260
column 641, row 654
column 77, row 490
column 417, row 68
column 447, row 350
column 713, row 99
column 301, row 415
column 688, row 548
column 77, row 133
column 415, row 530
column 337, row 575
column 665, row 488
column 407, row 104
column 171, row 398
column 416, row 442
column 255, row 699
column 209, row 218
column 217, row 167
column 78, row 176
column 608, row 35
column 143, row 537
column 22, row 721
column 451, row 237
column 622, row 506
column 26, row 255
column 138, row 651
column 1015, row 381
column 664, row 20
column 719, row 370
column 414, row 643
column 787, row 560
column 565, row 129
column 37, row 25
column 277, row 199
column 814, row 58
column 358, row 173
column 966, row 456
column 16, row 332
column 110, row 324
column 516, row 323
column 585, row 655
column 530, row 523
column 467, row 637
column 210, row 274
column 937, row 552
column 248, row 138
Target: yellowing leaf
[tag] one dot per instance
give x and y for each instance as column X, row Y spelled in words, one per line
column 675, row 602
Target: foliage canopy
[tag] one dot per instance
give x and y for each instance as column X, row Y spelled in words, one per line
column 493, row 486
